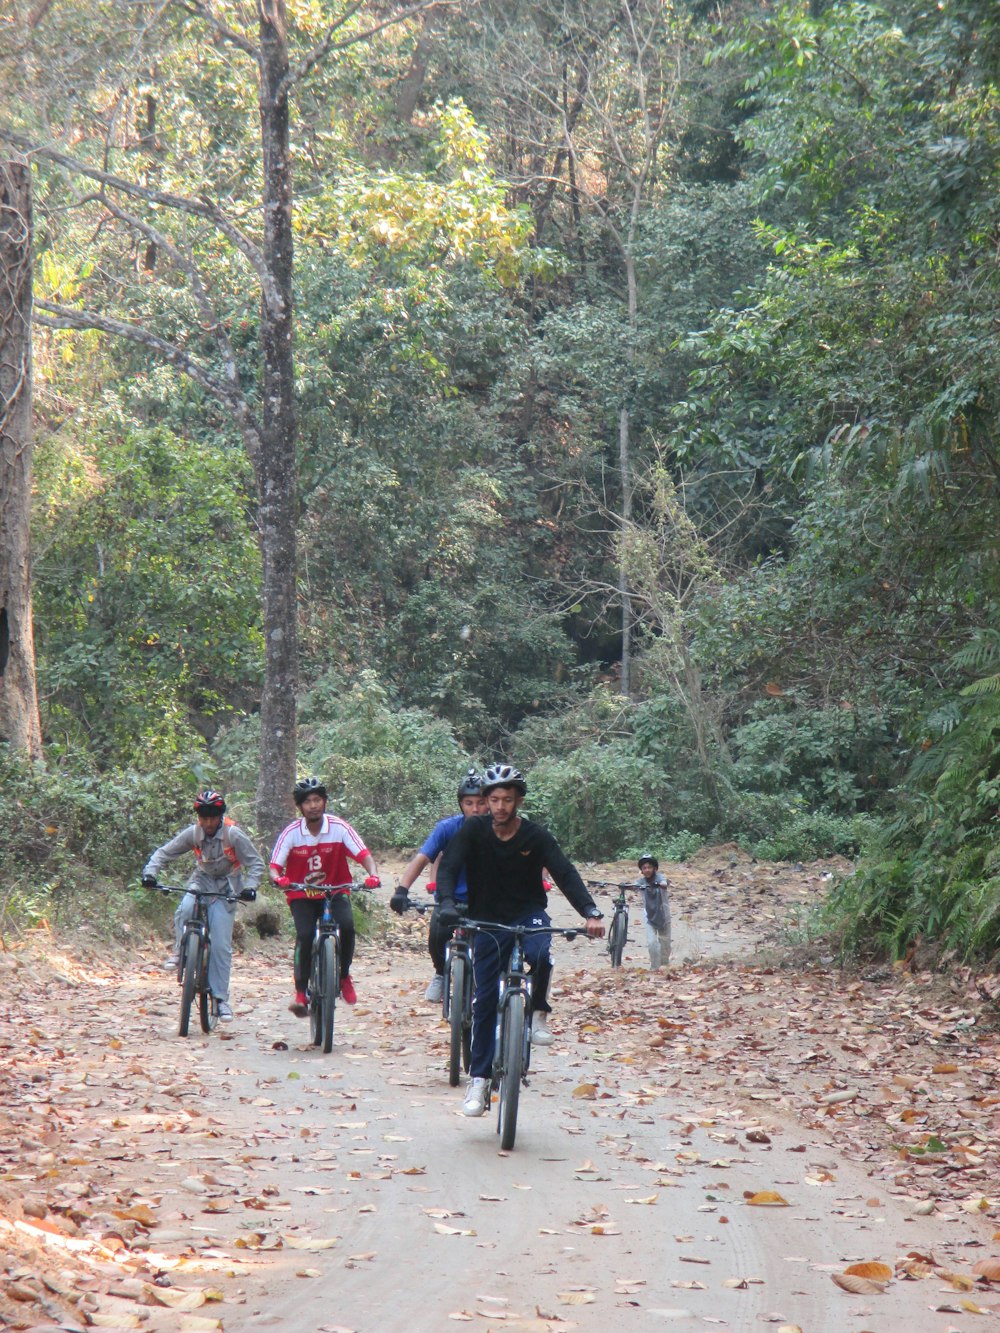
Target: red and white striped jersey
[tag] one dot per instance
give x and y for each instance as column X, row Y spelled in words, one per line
column 299, row 853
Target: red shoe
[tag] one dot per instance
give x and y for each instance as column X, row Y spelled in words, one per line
column 300, row 1005
column 347, row 992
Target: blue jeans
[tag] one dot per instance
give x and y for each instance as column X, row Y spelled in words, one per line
column 490, row 953
column 220, row 930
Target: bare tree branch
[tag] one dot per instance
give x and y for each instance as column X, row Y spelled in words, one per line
column 201, row 207
column 63, row 317
column 323, row 48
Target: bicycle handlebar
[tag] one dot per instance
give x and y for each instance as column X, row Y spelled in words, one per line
column 567, row 932
column 610, row 884
column 198, row 893
column 320, row 890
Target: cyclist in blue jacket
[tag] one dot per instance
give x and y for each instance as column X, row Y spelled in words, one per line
column 471, row 801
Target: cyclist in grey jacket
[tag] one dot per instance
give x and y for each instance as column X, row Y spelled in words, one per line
column 222, row 853
column 657, row 904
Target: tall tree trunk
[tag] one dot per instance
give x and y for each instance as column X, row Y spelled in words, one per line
column 275, row 460
column 625, row 458
column 19, row 722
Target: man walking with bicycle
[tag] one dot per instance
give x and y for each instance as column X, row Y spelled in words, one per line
column 313, row 850
column 222, row 852
column 504, row 856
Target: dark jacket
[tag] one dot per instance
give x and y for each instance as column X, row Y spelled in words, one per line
column 505, row 878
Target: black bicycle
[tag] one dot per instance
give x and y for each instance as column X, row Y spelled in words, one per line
column 456, row 1000
column 512, row 1054
column 324, row 971
column 192, row 959
column 618, row 929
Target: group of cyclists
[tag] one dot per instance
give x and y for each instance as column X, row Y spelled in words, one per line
column 489, row 861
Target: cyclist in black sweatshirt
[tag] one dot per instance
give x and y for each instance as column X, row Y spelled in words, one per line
column 504, row 856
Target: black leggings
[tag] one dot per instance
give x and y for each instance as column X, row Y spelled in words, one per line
column 305, row 913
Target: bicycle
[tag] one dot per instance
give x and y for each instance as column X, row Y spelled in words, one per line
column 618, row 929
column 512, row 1053
column 192, row 959
column 324, row 970
column 456, row 1002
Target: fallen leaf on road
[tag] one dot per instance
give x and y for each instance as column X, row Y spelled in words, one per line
column 576, row 1297
column 307, row 1243
column 876, row 1271
column 987, row 1268
column 766, row 1199
column 585, row 1091
column 860, row 1286
column 442, row 1230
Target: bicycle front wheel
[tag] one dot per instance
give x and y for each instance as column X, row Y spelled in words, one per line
column 616, row 940
column 512, row 1059
column 329, row 972
column 190, row 965
column 456, row 1016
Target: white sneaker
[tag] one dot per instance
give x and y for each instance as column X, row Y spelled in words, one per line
column 434, row 993
column 225, row 1013
column 171, row 962
column 476, row 1096
column 540, row 1034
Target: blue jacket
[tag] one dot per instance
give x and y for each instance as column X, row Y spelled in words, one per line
column 435, row 843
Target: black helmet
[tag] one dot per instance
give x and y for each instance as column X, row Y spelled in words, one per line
column 471, row 784
column 503, row 775
column 210, row 803
column 648, row 856
column 307, row 787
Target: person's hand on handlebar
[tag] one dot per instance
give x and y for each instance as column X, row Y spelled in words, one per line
column 595, row 927
column 247, row 895
column 283, row 881
column 400, row 900
column 448, row 914
column 149, row 882
column 372, row 882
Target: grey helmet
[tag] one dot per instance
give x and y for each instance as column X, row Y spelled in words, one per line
column 503, row 775
column 471, row 784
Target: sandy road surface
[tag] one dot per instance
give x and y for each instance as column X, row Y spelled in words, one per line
column 346, row 1192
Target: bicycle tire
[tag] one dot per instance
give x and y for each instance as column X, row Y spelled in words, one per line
column 190, row 962
column 616, row 940
column 315, row 998
column 329, row 980
column 208, row 1005
column 455, row 995
column 512, row 1058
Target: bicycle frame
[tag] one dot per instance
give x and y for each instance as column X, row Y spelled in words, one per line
column 193, row 957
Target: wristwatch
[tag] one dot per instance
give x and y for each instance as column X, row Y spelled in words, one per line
column 594, row 914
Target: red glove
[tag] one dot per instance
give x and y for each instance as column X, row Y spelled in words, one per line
column 282, row 881
column 431, row 886
column 373, row 882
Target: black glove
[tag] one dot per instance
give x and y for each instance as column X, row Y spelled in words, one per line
column 448, row 914
column 400, row 900
column 149, row 882
column 248, row 895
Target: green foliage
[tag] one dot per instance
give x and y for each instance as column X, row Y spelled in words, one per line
column 936, row 872
column 599, row 799
column 392, row 771
column 146, row 592
column 72, row 836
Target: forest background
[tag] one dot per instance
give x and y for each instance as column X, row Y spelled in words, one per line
column 631, row 401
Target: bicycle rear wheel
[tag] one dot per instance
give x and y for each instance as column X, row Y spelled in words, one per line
column 315, row 997
column 329, row 981
column 616, row 940
column 512, row 1060
column 456, row 1013
column 190, row 965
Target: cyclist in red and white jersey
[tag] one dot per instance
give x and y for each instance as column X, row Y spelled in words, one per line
column 313, row 850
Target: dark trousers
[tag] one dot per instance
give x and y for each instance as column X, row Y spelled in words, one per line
column 490, row 953
column 305, row 913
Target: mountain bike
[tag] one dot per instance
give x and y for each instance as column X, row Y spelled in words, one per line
column 512, row 1053
column 456, row 1002
column 192, row 959
column 324, row 970
column 618, row 929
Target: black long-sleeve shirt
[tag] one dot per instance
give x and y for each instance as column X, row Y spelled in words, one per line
column 505, row 877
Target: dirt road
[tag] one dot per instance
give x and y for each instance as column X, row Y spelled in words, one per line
column 682, row 1161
